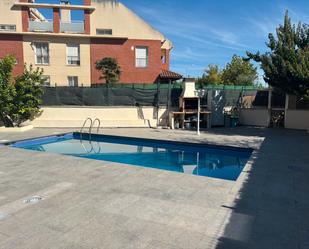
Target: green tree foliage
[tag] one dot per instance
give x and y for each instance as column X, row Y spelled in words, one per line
column 239, row 72
column 7, row 90
column 286, row 65
column 20, row 97
column 110, row 70
column 212, row 76
column 29, row 93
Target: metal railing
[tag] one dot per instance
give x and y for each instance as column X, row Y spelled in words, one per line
column 99, row 125
column 73, row 60
column 91, row 126
column 84, row 125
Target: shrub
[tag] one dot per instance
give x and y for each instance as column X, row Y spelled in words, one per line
column 20, row 97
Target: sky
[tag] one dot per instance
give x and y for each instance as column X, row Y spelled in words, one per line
column 210, row 32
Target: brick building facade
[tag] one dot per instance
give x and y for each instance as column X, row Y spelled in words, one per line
column 68, row 49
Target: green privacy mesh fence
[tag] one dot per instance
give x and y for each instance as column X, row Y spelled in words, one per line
column 177, row 85
column 110, row 96
column 128, row 94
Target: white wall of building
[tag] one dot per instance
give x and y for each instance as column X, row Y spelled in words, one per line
column 74, row 117
column 10, row 16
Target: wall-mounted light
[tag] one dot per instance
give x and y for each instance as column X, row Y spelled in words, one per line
column 132, row 48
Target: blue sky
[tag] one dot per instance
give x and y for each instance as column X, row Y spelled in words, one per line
column 210, row 32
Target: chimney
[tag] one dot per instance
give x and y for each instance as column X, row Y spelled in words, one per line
column 65, row 14
column 188, row 88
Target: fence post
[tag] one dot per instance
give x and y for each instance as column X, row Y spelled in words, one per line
column 269, row 105
column 286, row 108
column 158, row 102
column 169, row 100
column 241, row 99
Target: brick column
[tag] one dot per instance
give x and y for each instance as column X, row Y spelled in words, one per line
column 87, row 17
column 25, row 18
column 166, row 66
column 56, row 17
column 87, row 21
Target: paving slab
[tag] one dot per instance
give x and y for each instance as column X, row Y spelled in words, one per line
column 96, row 204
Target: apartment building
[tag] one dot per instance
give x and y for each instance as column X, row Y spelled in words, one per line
column 67, row 49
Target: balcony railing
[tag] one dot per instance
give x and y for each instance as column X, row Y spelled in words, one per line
column 72, row 27
column 73, row 60
column 39, row 26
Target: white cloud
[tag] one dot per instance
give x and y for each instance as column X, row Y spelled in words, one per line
column 194, row 31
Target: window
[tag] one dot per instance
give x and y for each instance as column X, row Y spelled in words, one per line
column 73, row 81
column 141, row 56
column 163, row 56
column 46, row 80
column 7, row 27
column 104, row 31
column 42, row 53
column 73, row 55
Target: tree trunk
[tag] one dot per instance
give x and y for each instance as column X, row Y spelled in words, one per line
column 7, row 122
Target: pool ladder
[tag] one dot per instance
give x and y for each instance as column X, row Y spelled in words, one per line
column 91, row 126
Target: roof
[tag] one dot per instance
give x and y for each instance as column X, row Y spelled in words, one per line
column 166, row 74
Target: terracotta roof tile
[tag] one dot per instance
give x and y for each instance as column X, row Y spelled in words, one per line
column 166, row 74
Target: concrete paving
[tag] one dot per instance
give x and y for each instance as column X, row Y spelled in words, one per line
column 94, row 204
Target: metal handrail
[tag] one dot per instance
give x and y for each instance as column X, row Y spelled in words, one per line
column 99, row 124
column 84, row 147
column 92, row 148
column 92, row 123
column 90, row 127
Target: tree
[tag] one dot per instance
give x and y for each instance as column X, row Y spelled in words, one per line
column 286, row 65
column 7, row 90
column 29, row 93
column 110, row 69
column 212, row 76
column 239, row 72
column 20, row 97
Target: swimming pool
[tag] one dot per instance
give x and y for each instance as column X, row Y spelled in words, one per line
column 197, row 159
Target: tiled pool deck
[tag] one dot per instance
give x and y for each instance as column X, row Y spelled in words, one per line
column 92, row 204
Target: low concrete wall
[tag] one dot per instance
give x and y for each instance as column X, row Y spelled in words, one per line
column 110, row 116
column 297, row 119
column 254, row 117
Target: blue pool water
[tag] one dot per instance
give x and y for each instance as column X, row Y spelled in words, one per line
column 212, row 161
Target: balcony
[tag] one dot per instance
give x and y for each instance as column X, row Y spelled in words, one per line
column 41, row 26
column 72, row 27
